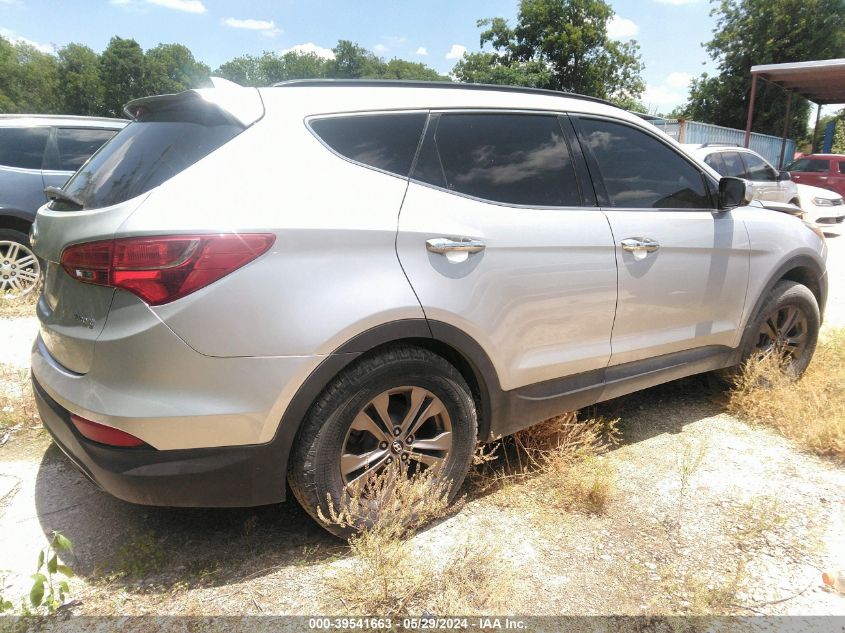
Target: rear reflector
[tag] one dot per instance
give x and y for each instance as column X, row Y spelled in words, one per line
column 166, row 268
column 104, row 434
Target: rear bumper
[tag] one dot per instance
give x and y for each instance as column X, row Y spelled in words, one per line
column 235, row 476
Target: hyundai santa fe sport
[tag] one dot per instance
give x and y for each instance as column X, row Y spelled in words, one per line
column 310, row 281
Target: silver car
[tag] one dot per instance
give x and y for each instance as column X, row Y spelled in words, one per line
column 37, row 151
column 767, row 183
column 310, row 281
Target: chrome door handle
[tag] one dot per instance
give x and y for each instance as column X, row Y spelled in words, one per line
column 448, row 245
column 634, row 244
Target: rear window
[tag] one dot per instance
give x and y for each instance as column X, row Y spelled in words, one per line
column 383, row 141
column 809, row 165
column 23, row 147
column 159, row 144
column 75, row 145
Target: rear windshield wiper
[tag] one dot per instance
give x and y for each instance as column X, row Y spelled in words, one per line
column 54, row 193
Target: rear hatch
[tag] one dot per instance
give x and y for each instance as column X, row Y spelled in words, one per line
column 168, row 134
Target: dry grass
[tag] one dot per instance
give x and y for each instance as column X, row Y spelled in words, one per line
column 17, row 405
column 23, row 307
column 810, row 411
column 390, row 574
column 560, row 462
column 715, row 585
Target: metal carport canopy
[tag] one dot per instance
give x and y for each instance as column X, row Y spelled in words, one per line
column 821, row 81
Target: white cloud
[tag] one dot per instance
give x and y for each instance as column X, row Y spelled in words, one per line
column 678, row 80
column 456, row 52
column 268, row 28
column 621, row 28
column 9, row 2
column 14, row 38
column 188, row 6
column 676, row 2
column 395, row 40
column 380, row 48
column 422, row 51
column 662, row 97
column 310, row 47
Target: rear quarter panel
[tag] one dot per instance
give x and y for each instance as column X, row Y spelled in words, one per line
column 332, row 272
column 21, row 191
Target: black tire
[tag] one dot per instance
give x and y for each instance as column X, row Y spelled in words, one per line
column 22, row 238
column 315, row 470
column 785, row 293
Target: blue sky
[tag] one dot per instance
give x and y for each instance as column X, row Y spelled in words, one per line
column 670, row 32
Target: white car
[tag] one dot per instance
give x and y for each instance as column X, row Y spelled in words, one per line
column 738, row 162
column 822, row 207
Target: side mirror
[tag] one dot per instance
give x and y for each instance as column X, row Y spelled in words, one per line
column 784, row 175
column 734, row 192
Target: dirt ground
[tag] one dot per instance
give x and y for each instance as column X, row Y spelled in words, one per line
column 708, row 515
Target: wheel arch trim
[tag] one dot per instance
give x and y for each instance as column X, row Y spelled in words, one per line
column 19, row 219
column 441, row 338
column 795, row 269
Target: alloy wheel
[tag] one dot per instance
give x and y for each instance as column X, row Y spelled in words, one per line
column 20, row 270
column 408, row 424
column 786, row 330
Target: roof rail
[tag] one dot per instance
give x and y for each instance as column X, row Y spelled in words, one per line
column 102, row 119
column 725, row 144
column 449, row 85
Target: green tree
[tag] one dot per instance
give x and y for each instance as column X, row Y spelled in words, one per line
column 752, row 32
column 839, row 134
column 402, row 69
column 28, row 79
column 8, row 73
column 79, row 77
column 352, row 61
column 171, row 68
column 122, row 71
column 560, row 45
column 270, row 68
column 244, row 71
column 486, row 68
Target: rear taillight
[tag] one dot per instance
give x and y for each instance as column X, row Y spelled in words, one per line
column 163, row 269
column 103, row 434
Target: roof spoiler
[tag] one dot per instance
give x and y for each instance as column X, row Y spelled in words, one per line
column 242, row 104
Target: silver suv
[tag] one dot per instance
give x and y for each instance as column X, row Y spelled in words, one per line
column 37, row 151
column 768, row 183
column 314, row 280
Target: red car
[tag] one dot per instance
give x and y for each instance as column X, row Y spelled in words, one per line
column 820, row 170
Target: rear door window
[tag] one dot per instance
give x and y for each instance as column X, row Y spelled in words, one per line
column 515, row 159
column 715, row 161
column 76, row 145
column 165, row 139
column 23, row 147
column 641, row 172
column 842, row 167
column 383, row 141
column 734, row 167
